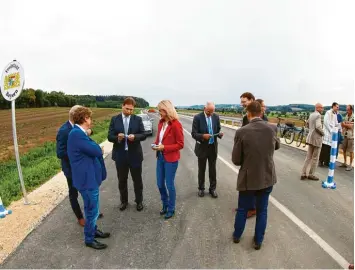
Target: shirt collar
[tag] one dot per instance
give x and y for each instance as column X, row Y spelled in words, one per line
column 72, row 124
column 207, row 115
column 82, row 129
column 126, row 116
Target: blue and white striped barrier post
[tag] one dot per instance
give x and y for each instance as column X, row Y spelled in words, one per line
column 3, row 211
column 330, row 180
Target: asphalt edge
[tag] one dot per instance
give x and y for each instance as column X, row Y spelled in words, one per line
column 107, row 151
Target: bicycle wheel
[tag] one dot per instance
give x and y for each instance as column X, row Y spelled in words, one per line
column 289, row 136
column 299, row 139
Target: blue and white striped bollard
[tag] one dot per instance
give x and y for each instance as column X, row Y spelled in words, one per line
column 3, row 211
column 330, row 180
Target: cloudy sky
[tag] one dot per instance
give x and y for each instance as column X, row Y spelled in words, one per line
column 285, row 51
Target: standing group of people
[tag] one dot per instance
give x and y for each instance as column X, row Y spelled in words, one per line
column 84, row 167
column 253, row 150
column 319, row 138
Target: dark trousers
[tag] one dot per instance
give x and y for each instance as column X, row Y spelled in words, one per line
column 211, row 156
column 165, row 181
column 73, row 198
column 245, row 201
column 136, row 173
column 91, row 209
column 324, row 157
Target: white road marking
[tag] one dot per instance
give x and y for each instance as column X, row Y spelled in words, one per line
column 312, row 234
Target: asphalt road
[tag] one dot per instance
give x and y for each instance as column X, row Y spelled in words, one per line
column 199, row 236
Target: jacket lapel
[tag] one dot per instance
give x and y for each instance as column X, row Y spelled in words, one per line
column 120, row 123
column 132, row 118
column 204, row 122
column 214, row 123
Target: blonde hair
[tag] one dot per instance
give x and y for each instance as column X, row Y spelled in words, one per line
column 169, row 108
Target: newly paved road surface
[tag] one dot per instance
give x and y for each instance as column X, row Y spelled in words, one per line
column 199, row 236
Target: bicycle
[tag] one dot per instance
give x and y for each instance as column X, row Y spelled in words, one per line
column 302, row 135
column 288, row 132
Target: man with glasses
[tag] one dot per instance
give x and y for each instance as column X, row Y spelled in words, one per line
column 206, row 128
column 126, row 132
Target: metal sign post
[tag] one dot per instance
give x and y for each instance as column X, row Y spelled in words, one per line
column 12, row 82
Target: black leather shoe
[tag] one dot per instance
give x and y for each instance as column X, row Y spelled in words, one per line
column 169, row 215
column 201, row 193
column 236, row 240
column 96, row 245
column 213, row 194
column 163, row 210
column 256, row 246
column 139, row 206
column 123, row 206
column 100, row 234
column 101, row 215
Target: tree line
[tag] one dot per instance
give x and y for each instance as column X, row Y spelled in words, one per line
column 31, row 98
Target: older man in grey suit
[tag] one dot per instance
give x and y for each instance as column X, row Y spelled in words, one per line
column 314, row 141
column 253, row 151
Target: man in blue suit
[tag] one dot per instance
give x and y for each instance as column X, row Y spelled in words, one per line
column 62, row 140
column 88, row 172
column 126, row 131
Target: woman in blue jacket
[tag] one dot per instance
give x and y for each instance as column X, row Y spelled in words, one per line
column 88, row 172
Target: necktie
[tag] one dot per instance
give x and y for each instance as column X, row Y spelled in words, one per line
column 126, row 132
column 210, row 131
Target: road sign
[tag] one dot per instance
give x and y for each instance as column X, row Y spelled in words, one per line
column 12, row 82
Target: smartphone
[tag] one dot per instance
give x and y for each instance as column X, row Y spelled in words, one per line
column 154, row 145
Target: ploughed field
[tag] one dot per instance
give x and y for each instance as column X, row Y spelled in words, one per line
column 35, row 126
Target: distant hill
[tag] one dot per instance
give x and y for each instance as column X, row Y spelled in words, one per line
column 278, row 108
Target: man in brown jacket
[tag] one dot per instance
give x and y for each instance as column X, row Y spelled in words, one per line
column 254, row 146
column 314, row 141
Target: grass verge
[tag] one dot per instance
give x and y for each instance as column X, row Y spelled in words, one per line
column 38, row 166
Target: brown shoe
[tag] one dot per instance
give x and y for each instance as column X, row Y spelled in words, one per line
column 312, row 177
column 343, row 165
column 251, row 213
column 81, row 222
column 303, row 177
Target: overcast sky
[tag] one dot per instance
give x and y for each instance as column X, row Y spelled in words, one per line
column 188, row 51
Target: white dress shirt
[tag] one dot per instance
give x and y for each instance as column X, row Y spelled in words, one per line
column 207, row 119
column 162, row 132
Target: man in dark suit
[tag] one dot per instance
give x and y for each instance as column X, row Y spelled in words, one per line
column 253, row 151
column 126, row 131
column 62, row 140
column 206, row 129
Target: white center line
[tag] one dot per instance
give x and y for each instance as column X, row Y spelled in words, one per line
column 312, row 234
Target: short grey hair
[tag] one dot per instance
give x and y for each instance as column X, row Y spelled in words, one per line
column 210, row 104
column 72, row 111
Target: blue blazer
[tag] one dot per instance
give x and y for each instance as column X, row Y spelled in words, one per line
column 134, row 155
column 62, row 140
column 85, row 155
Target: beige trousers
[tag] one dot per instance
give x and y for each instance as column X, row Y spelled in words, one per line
column 311, row 159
